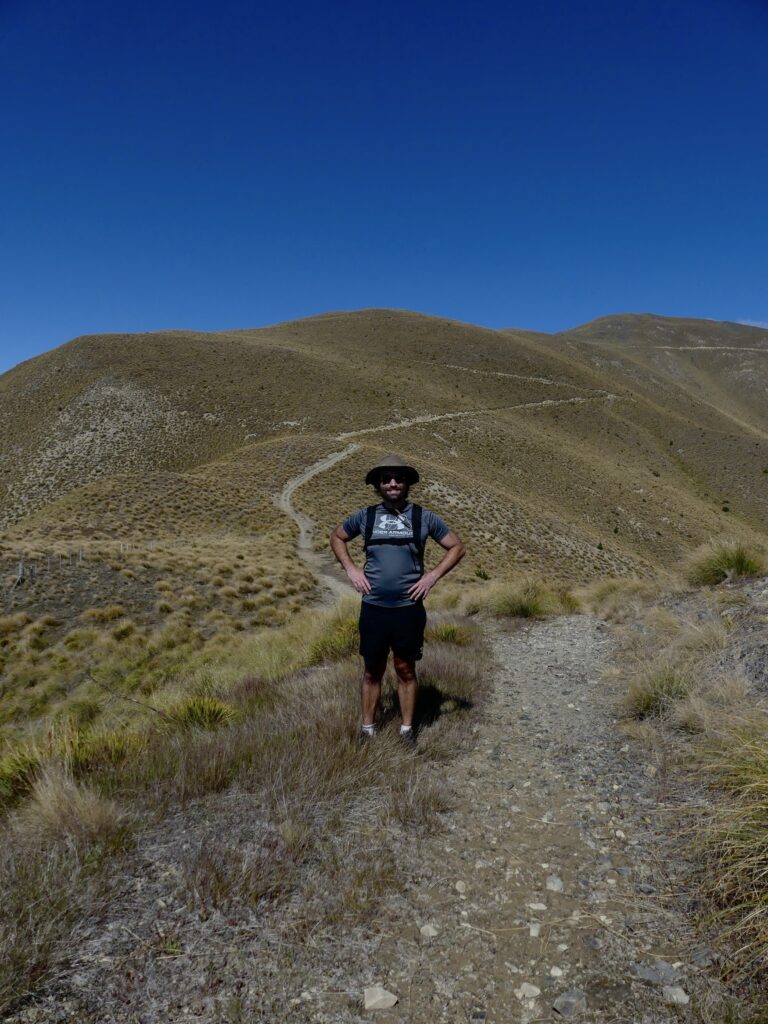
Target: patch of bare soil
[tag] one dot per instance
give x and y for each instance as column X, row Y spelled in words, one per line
column 548, row 892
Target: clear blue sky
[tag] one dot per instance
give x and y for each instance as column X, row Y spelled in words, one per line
column 232, row 164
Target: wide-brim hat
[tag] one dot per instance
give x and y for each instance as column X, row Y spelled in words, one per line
column 392, row 462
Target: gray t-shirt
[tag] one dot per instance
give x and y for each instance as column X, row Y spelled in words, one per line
column 392, row 568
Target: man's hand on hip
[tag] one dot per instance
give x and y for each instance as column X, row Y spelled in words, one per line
column 359, row 580
column 420, row 589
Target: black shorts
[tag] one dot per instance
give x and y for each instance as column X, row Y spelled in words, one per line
column 400, row 630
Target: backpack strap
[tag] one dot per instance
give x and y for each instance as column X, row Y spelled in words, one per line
column 418, row 542
column 370, row 519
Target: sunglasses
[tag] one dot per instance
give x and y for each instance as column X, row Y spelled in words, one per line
column 384, row 478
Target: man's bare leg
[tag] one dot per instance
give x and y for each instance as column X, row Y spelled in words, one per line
column 407, row 687
column 370, row 691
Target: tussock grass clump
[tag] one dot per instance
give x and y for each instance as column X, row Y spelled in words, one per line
column 618, row 598
column 86, row 752
column 449, row 633
column 653, row 690
column 202, row 712
column 102, row 615
column 704, row 709
column 13, row 623
column 45, row 892
column 528, row 599
column 339, row 637
column 715, row 563
column 61, row 808
column 736, row 841
column 328, row 811
column 18, row 771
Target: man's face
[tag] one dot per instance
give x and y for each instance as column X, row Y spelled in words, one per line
column 393, row 486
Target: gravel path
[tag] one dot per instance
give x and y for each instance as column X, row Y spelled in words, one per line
column 546, row 883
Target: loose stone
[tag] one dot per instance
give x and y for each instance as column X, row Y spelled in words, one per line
column 554, row 884
column 377, row 998
column 527, row 991
column 675, row 996
column 570, row 1004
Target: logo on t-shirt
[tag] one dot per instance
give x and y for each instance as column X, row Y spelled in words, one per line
column 390, row 526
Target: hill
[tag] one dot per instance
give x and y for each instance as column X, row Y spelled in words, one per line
column 140, row 473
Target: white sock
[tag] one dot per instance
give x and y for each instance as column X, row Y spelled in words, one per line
column 369, row 730
column 405, row 729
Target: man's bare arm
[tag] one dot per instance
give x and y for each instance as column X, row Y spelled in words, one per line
column 357, row 577
column 454, row 552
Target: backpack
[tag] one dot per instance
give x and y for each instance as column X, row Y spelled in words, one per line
column 418, row 543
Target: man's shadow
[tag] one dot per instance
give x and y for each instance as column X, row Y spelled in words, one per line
column 432, row 703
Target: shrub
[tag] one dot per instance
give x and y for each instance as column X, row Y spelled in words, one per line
column 714, row 564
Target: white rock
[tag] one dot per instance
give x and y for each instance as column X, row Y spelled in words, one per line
column 534, row 930
column 377, row 998
column 554, row 884
column 537, row 906
column 527, row 991
column 461, row 887
column 675, row 996
column 556, row 972
column 428, row 931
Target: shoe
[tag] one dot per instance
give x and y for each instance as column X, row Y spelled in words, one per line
column 408, row 739
column 364, row 738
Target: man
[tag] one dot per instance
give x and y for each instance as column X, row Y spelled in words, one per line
column 393, row 584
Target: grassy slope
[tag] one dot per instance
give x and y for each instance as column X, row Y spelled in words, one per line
column 589, row 453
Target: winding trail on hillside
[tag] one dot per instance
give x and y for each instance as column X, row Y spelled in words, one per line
column 516, row 376
column 318, row 562
column 464, row 413
column 332, row 586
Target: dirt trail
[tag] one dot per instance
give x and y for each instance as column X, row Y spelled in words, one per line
column 549, row 877
column 319, row 563
column 549, row 893
column 434, row 417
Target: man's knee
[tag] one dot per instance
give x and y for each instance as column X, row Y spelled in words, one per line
column 373, row 672
column 405, row 669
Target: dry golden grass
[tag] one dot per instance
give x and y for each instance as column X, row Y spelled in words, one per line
column 717, row 562
column 716, row 726
column 61, row 809
column 90, row 788
column 618, row 599
column 735, row 837
column 527, row 599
